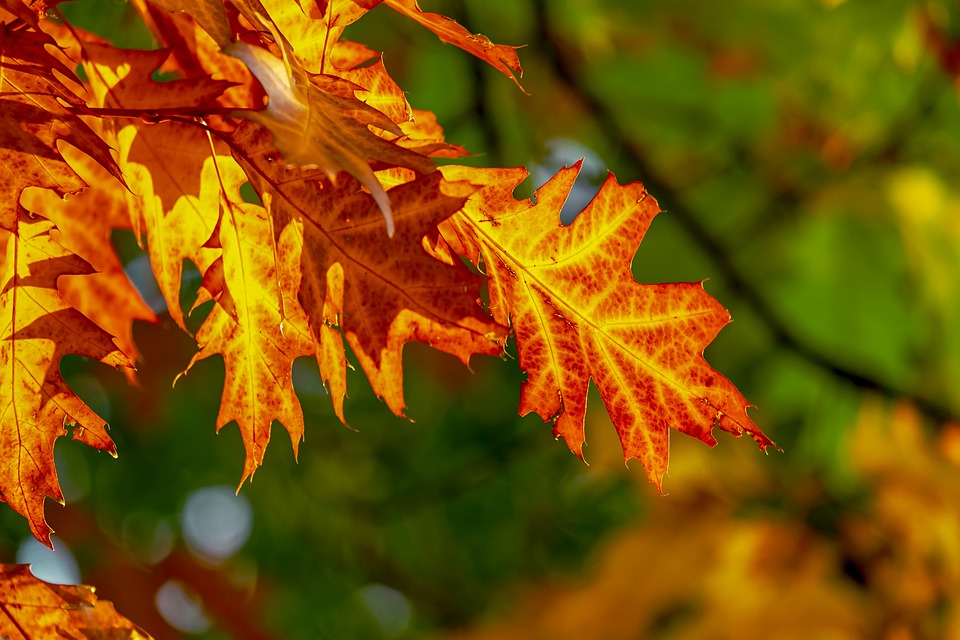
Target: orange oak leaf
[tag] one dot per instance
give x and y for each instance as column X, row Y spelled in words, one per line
column 257, row 323
column 312, row 31
column 122, row 78
column 578, row 315
column 17, row 9
column 38, row 329
column 340, row 119
column 380, row 292
column 176, row 201
column 317, row 122
column 195, row 54
column 211, row 15
column 376, row 88
column 31, row 609
column 501, row 57
column 85, row 222
column 37, row 112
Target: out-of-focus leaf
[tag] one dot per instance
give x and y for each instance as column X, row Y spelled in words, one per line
column 34, row 610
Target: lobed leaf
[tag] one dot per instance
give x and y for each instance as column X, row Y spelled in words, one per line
column 176, row 197
column 86, row 222
column 36, row 112
column 380, row 292
column 316, row 122
column 38, row 328
column 579, row 315
column 501, row 57
column 257, row 323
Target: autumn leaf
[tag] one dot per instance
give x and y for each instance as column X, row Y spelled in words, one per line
column 17, row 9
column 317, row 122
column 86, row 222
column 314, row 28
column 194, row 54
column 211, row 15
column 420, row 131
column 503, row 58
column 176, row 201
column 323, row 111
column 33, row 610
column 578, row 315
column 38, row 111
column 256, row 324
column 380, row 292
column 39, row 328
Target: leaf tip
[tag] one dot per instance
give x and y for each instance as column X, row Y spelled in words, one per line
column 383, row 202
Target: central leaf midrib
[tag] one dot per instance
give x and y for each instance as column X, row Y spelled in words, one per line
column 599, row 329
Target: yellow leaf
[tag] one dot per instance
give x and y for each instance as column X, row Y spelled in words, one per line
column 37, row 328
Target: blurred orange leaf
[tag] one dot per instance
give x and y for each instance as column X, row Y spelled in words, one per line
column 33, row 610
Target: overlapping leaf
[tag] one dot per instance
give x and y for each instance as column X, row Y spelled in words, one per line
column 190, row 209
column 314, row 28
column 317, row 122
column 86, row 221
column 578, row 315
column 176, row 198
column 314, row 269
column 381, row 292
column 33, row 610
column 37, row 328
column 211, row 15
column 316, row 119
column 257, row 323
column 36, row 113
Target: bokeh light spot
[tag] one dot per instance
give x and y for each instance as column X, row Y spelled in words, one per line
column 216, row 522
column 57, row 567
column 389, row 607
column 181, row 608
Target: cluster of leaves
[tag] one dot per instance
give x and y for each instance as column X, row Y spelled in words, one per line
column 790, row 179
column 355, row 238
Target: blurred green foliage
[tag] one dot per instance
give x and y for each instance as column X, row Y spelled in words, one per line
column 807, row 156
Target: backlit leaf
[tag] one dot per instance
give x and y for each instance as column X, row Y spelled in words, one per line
column 36, row 111
column 380, row 292
column 34, row 610
column 316, row 122
column 257, row 323
column 579, row 315
column 86, row 222
column 38, row 329
column 501, row 57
